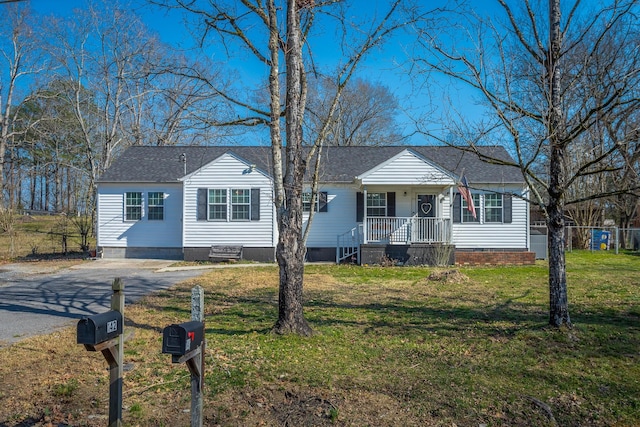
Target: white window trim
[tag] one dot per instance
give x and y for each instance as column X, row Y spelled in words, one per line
column 231, row 204
column 126, row 205
column 226, row 205
column 479, row 209
column 484, row 207
column 367, row 206
column 316, row 204
column 149, row 205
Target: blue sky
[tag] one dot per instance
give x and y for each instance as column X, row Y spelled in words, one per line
column 382, row 67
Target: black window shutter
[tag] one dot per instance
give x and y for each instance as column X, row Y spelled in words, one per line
column 359, row 206
column 201, row 214
column 323, row 206
column 391, row 203
column 507, row 206
column 255, row 204
column 457, row 207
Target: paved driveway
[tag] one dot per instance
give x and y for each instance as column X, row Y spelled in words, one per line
column 36, row 300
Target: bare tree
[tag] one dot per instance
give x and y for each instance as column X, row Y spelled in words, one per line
column 546, row 81
column 167, row 105
column 104, row 54
column 19, row 51
column 365, row 114
column 271, row 31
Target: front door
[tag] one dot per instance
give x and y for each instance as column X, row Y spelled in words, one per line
column 426, row 206
column 424, row 228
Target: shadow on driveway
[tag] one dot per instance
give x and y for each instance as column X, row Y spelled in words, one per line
column 35, row 300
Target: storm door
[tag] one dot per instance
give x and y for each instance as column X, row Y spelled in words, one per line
column 426, row 206
column 424, row 228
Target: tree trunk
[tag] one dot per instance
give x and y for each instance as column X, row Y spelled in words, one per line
column 290, row 251
column 290, row 256
column 558, row 302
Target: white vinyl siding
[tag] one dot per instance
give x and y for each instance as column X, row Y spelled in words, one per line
column 228, row 173
column 494, row 235
column 339, row 217
column 406, row 168
column 114, row 231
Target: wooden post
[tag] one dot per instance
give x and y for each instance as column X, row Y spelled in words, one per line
column 197, row 375
column 115, row 359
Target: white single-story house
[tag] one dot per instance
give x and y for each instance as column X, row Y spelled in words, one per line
column 398, row 203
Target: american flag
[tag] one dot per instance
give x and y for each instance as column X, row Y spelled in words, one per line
column 463, row 188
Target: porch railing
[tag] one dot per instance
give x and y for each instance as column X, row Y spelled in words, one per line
column 407, row 230
column 392, row 230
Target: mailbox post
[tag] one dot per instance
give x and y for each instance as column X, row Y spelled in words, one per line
column 103, row 332
column 185, row 343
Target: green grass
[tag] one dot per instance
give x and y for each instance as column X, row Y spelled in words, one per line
column 472, row 352
column 391, row 348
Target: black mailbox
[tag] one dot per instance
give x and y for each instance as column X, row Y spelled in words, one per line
column 99, row 328
column 179, row 339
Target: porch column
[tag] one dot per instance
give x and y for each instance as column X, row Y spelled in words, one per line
column 450, row 233
column 364, row 216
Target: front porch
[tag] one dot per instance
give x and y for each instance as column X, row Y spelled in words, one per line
column 411, row 240
column 406, row 230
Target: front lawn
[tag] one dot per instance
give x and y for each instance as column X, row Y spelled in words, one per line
column 392, row 348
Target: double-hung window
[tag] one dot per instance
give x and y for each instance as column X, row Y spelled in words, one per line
column 222, row 204
column 217, row 204
column 467, row 216
column 240, row 204
column 321, row 204
column 493, row 207
column 133, row 206
column 155, row 206
column 306, row 202
column 376, row 204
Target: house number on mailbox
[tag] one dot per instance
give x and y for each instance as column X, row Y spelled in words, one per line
column 112, row 326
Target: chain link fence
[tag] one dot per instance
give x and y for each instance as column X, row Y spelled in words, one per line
column 607, row 238
column 603, row 238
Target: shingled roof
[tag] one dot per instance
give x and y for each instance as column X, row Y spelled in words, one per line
column 339, row 165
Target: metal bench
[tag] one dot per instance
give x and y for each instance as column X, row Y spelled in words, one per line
column 225, row 253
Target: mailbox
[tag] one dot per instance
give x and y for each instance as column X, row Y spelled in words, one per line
column 180, row 339
column 99, row 328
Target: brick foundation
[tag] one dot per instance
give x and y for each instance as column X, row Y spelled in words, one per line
column 494, row 258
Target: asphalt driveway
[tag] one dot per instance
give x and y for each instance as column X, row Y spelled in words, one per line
column 36, row 300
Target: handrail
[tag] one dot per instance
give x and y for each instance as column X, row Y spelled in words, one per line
column 348, row 244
